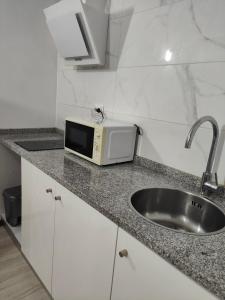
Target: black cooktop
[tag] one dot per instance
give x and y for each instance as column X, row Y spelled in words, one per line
column 40, row 145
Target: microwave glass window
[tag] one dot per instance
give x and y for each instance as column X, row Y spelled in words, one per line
column 79, row 138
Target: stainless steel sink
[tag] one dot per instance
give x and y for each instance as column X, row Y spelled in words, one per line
column 178, row 210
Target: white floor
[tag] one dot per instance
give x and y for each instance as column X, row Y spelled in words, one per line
column 15, row 230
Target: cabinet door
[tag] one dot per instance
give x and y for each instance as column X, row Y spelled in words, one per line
column 143, row 275
column 84, row 249
column 37, row 221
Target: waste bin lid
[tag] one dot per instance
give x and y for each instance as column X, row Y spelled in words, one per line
column 13, row 192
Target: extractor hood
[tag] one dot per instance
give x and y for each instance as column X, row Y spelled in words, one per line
column 79, row 30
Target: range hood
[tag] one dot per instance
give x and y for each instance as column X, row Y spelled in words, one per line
column 79, row 30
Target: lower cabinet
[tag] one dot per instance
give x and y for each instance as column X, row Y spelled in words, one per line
column 70, row 245
column 38, row 213
column 141, row 274
column 84, row 249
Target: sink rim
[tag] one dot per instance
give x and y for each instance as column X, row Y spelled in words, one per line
column 171, row 229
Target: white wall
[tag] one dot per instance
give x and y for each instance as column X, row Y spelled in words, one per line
column 27, row 65
column 164, row 97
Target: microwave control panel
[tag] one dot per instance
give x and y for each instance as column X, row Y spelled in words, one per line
column 98, row 143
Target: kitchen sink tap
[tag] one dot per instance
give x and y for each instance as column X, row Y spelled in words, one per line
column 209, row 181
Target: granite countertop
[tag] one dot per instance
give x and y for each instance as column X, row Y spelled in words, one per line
column 108, row 189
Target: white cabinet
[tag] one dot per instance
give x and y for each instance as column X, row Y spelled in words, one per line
column 38, row 209
column 84, row 249
column 143, row 275
column 70, row 245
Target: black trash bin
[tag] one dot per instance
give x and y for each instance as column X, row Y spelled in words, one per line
column 12, row 203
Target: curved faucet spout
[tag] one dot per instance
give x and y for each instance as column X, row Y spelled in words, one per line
column 208, row 174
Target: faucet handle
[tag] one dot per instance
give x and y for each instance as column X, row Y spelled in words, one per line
column 210, row 184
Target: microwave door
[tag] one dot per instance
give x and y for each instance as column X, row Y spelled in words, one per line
column 79, row 138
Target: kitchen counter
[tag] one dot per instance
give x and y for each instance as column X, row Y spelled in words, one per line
column 108, row 189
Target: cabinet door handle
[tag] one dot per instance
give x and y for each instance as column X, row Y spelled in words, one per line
column 58, row 198
column 123, row 253
column 48, row 191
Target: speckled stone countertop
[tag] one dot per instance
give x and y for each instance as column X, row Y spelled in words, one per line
column 108, row 189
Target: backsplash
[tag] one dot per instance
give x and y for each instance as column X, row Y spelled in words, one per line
column 166, row 68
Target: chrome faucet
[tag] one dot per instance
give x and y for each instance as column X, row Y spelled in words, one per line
column 209, row 181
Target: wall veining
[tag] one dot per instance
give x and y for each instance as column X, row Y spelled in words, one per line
column 165, row 69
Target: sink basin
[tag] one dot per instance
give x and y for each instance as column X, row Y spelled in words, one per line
column 178, row 210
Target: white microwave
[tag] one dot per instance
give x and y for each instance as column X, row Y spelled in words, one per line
column 103, row 144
